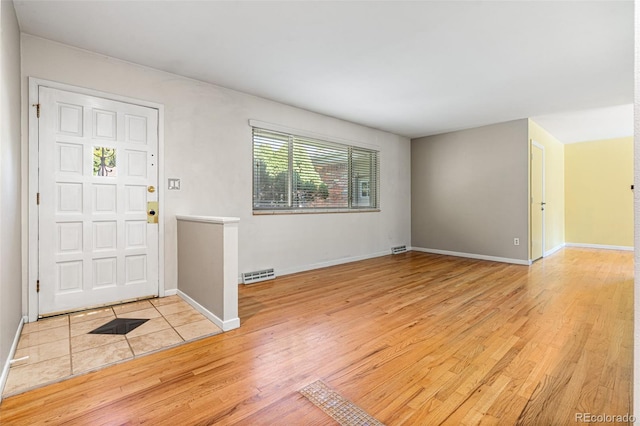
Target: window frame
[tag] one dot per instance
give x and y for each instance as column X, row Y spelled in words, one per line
column 353, row 186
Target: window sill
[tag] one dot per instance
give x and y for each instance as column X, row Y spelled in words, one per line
column 314, row 211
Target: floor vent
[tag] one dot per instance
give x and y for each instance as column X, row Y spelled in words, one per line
column 345, row 412
column 257, row 276
column 119, row 326
column 398, row 249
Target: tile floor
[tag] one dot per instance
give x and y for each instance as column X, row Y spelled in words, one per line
column 56, row 348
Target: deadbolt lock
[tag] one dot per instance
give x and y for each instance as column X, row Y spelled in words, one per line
column 151, row 188
column 152, row 212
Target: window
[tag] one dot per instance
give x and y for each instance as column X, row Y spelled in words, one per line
column 295, row 173
column 104, row 161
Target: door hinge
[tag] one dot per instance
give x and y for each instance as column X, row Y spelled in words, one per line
column 38, row 286
column 38, row 198
column 37, row 109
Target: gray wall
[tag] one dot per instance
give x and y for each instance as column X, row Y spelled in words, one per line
column 10, row 212
column 469, row 191
column 201, row 264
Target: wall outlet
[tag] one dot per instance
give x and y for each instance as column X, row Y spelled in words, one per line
column 516, row 241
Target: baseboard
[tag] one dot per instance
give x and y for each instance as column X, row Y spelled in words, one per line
column 224, row 325
column 12, row 351
column 553, row 250
column 303, row 268
column 600, row 246
column 170, row 292
column 474, row 256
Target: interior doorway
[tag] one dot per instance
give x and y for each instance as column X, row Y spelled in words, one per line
column 537, row 205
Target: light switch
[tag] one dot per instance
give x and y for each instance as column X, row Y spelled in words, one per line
column 174, row 184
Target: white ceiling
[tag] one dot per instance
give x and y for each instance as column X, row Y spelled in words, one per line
column 589, row 125
column 412, row 68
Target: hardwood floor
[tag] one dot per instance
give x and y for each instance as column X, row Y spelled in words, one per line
column 414, row 339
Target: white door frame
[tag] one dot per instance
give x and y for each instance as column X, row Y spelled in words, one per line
column 32, row 251
column 538, row 145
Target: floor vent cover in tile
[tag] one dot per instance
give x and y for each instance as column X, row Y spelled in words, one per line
column 343, row 411
column 119, row 326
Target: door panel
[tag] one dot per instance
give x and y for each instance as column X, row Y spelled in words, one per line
column 97, row 158
column 537, row 202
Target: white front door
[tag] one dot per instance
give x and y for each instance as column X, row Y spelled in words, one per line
column 98, row 169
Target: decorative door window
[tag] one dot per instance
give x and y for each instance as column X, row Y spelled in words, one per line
column 104, row 161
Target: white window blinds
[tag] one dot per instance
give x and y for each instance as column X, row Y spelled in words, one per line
column 295, row 173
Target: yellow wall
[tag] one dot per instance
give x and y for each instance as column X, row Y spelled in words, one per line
column 599, row 201
column 554, row 191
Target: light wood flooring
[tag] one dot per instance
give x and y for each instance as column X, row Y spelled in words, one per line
column 413, row 339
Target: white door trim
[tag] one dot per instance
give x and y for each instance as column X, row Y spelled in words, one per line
column 30, row 256
column 538, row 145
